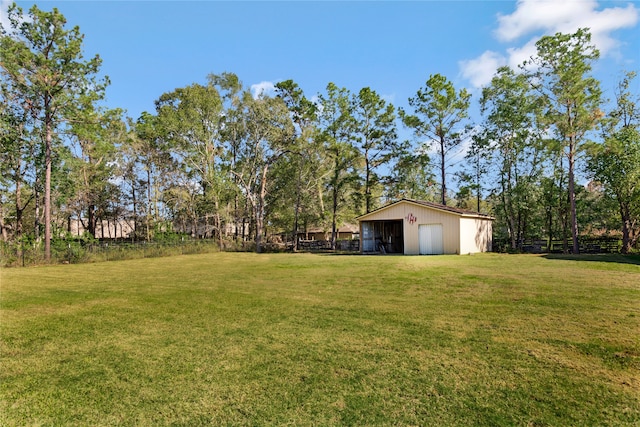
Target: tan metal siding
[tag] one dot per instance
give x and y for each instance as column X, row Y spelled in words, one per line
column 392, row 212
column 424, row 215
column 475, row 235
column 460, row 234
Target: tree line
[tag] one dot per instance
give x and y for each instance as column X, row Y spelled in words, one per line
column 219, row 160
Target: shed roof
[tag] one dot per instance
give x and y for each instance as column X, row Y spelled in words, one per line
column 349, row 228
column 431, row 205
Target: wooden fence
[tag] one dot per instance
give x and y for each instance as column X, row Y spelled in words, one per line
column 589, row 245
column 325, row 245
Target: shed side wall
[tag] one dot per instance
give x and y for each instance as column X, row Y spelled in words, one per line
column 475, row 235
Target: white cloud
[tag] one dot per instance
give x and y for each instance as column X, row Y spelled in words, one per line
column 518, row 55
column 610, row 20
column 536, row 18
column 262, row 88
column 567, row 16
column 480, row 71
column 390, row 99
column 4, row 15
column 564, row 16
column 535, row 15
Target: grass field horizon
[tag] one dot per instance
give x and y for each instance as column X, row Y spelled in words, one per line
column 303, row 339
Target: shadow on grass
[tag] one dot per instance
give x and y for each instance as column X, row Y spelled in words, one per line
column 354, row 253
column 337, row 253
column 617, row 258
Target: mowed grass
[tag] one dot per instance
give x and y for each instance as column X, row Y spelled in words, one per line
column 301, row 339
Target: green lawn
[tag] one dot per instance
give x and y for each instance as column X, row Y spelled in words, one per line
column 284, row 339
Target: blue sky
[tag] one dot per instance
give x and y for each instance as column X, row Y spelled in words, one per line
column 152, row 47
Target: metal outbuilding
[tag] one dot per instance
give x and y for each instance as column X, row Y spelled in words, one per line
column 415, row 227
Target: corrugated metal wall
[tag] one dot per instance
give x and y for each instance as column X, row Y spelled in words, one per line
column 413, row 215
column 460, row 235
column 475, row 235
column 430, row 238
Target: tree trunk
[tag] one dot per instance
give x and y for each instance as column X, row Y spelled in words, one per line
column 296, row 211
column 19, row 210
column 334, row 215
column 478, row 183
column 149, row 205
column 505, row 195
column 135, row 210
column 218, row 223
column 37, row 221
column 442, row 172
column 247, row 220
column 626, row 228
column 367, row 183
column 91, row 219
column 3, row 228
column 260, row 209
column 258, row 230
column 550, row 230
column 572, row 197
column 47, row 183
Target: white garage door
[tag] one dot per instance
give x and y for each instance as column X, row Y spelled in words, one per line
column 431, row 242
